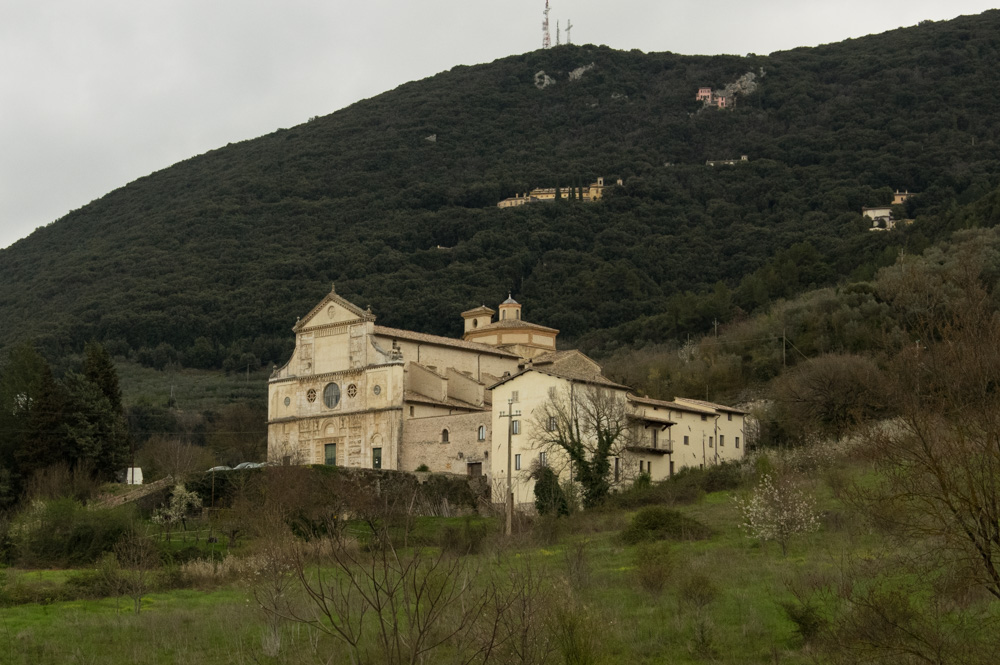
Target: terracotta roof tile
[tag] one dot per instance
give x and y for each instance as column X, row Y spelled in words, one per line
column 398, row 333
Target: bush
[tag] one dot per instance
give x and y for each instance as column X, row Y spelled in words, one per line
column 686, row 486
column 653, row 567
column 661, row 523
column 549, row 496
column 65, row 533
column 806, row 616
column 465, row 539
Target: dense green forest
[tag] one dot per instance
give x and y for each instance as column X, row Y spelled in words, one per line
column 208, row 263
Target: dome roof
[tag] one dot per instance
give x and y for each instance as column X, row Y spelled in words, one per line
column 510, row 301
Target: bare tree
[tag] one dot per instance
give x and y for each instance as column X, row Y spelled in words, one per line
column 137, row 558
column 590, row 425
column 168, row 455
column 829, row 395
column 388, row 607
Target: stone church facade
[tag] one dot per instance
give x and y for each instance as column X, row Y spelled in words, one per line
column 358, row 394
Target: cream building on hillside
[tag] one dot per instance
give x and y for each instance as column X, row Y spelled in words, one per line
column 589, row 194
column 362, row 395
column 683, row 433
column 662, row 437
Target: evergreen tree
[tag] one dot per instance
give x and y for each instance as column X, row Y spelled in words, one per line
column 549, row 496
column 99, row 369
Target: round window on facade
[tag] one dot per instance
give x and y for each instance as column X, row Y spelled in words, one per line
column 311, row 395
column 288, row 400
column 352, row 390
column 377, row 390
column 331, row 395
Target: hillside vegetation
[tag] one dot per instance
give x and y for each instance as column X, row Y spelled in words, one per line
column 208, row 263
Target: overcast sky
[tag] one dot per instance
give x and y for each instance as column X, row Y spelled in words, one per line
column 97, row 93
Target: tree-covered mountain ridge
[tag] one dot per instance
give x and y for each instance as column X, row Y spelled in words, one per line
column 210, row 261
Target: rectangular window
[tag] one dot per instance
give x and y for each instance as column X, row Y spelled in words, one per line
column 553, row 424
column 376, row 458
column 552, row 392
column 330, row 451
column 704, row 417
column 654, row 437
column 515, row 427
column 729, row 416
column 649, row 469
column 722, row 440
column 709, row 442
column 618, row 470
column 641, row 463
column 685, row 440
column 737, row 442
column 513, row 395
column 411, row 411
column 543, row 458
column 517, row 462
column 481, row 433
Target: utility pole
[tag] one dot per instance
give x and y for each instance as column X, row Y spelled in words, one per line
column 510, row 488
column 783, row 338
column 569, row 26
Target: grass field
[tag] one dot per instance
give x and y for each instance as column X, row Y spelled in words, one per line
column 714, row 600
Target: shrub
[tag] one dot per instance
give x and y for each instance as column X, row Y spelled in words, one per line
column 653, row 567
column 688, row 485
column 661, row 523
column 549, row 496
column 806, row 616
column 697, row 592
column 577, row 561
column 465, row 539
column 64, row 533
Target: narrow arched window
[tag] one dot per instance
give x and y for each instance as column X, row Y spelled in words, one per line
column 444, row 436
column 481, row 435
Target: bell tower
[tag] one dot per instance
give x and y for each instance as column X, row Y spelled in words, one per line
column 510, row 310
column 477, row 318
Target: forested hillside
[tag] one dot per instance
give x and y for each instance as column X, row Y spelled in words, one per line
column 208, row 262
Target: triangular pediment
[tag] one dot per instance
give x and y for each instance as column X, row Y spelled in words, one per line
column 333, row 309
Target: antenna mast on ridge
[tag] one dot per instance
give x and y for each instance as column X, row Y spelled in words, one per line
column 569, row 25
column 546, row 40
column 557, row 32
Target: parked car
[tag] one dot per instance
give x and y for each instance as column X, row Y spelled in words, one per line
column 248, row 465
column 219, row 468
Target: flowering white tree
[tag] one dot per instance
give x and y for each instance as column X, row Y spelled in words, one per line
column 182, row 502
column 777, row 509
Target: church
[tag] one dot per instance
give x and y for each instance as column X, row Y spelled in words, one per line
column 357, row 394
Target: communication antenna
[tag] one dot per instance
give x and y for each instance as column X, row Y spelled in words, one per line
column 546, row 40
column 557, row 32
column 569, row 26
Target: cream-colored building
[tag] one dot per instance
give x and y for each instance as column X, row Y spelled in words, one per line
column 589, row 194
column 683, row 433
column 662, row 438
column 363, row 395
column 358, row 394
